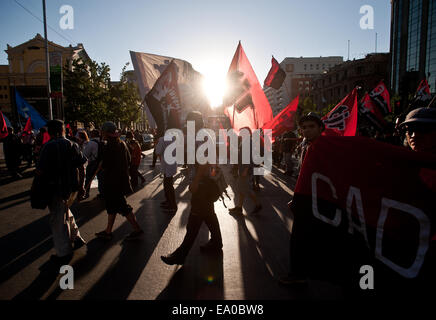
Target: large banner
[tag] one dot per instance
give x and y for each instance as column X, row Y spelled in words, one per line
column 149, row 67
column 359, row 202
column 25, row 110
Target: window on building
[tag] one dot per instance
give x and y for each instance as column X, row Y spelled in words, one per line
column 6, row 96
column 1, row 96
column 305, row 67
column 290, row 67
column 317, row 67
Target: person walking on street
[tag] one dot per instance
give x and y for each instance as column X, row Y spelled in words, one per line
column 243, row 177
column 168, row 170
column 311, row 126
column 135, row 152
column 115, row 163
column 202, row 209
column 59, row 162
column 91, row 152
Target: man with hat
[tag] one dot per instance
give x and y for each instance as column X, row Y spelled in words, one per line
column 420, row 129
column 59, row 165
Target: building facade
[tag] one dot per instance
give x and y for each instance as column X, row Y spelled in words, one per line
column 332, row 86
column 413, row 45
column 300, row 73
column 26, row 73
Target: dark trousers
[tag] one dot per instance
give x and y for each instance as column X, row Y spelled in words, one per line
column 193, row 227
column 297, row 250
column 90, row 171
column 170, row 194
column 154, row 157
column 134, row 176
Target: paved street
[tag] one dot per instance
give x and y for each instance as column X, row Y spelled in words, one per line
column 255, row 249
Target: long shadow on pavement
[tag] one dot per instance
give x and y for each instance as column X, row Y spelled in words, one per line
column 23, row 246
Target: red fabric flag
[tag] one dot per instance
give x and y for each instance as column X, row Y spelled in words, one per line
column 3, row 127
column 45, row 138
column 342, row 120
column 284, row 121
column 163, row 99
column 245, row 102
column 379, row 212
column 423, row 93
column 28, row 128
column 369, row 110
column 380, row 95
column 275, row 76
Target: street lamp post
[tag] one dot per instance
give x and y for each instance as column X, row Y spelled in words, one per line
column 47, row 64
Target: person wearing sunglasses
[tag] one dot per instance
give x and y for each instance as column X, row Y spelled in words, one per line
column 420, row 129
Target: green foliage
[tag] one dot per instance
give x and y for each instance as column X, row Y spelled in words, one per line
column 91, row 98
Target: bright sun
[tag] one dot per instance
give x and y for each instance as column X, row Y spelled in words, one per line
column 214, row 85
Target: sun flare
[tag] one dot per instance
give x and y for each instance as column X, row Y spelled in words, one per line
column 214, row 85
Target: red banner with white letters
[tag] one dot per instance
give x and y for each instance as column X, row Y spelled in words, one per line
column 362, row 202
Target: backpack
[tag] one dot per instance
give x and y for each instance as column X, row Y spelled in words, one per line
column 217, row 186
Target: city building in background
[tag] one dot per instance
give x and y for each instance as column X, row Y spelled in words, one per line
column 300, row 73
column 332, row 86
column 412, row 46
column 26, row 72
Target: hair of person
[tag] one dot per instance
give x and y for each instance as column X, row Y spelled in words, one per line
column 55, row 127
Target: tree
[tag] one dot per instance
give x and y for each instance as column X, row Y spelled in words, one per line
column 86, row 92
column 92, row 99
column 123, row 105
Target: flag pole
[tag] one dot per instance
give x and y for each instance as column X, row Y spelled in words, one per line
column 237, row 69
column 47, row 64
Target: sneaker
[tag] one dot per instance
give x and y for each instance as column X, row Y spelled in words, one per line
column 290, row 280
column 211, row 246
column 135, row 235
column 256, row 210
column 78, row 243
column 173, row 259
column 104, row 235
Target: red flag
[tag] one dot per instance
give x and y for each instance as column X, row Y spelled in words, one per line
column 284, row 121
column 28, row 128
column 3, row 127
column 342, row 120
column 371, row 112
column 275, row 76
column 380, row 95
column 245, row 102
column 423, row 93
column 45, row 137
column 163, row 99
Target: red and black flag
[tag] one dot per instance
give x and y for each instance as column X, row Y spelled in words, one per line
column 423, row 95
column 368, row 109
column 284, row 121
column 276, row 75
column 3, row 127
column 163, row 100
column 381, row 98
column 353, row 209
column 342, row 119
column 245, row 102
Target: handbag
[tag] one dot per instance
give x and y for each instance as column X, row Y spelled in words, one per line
column 39, row 193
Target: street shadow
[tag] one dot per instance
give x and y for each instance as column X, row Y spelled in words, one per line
column 201, row 279
column 25, row 245
column 119, row 280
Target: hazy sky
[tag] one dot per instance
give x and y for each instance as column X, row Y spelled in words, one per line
column 205, row 33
